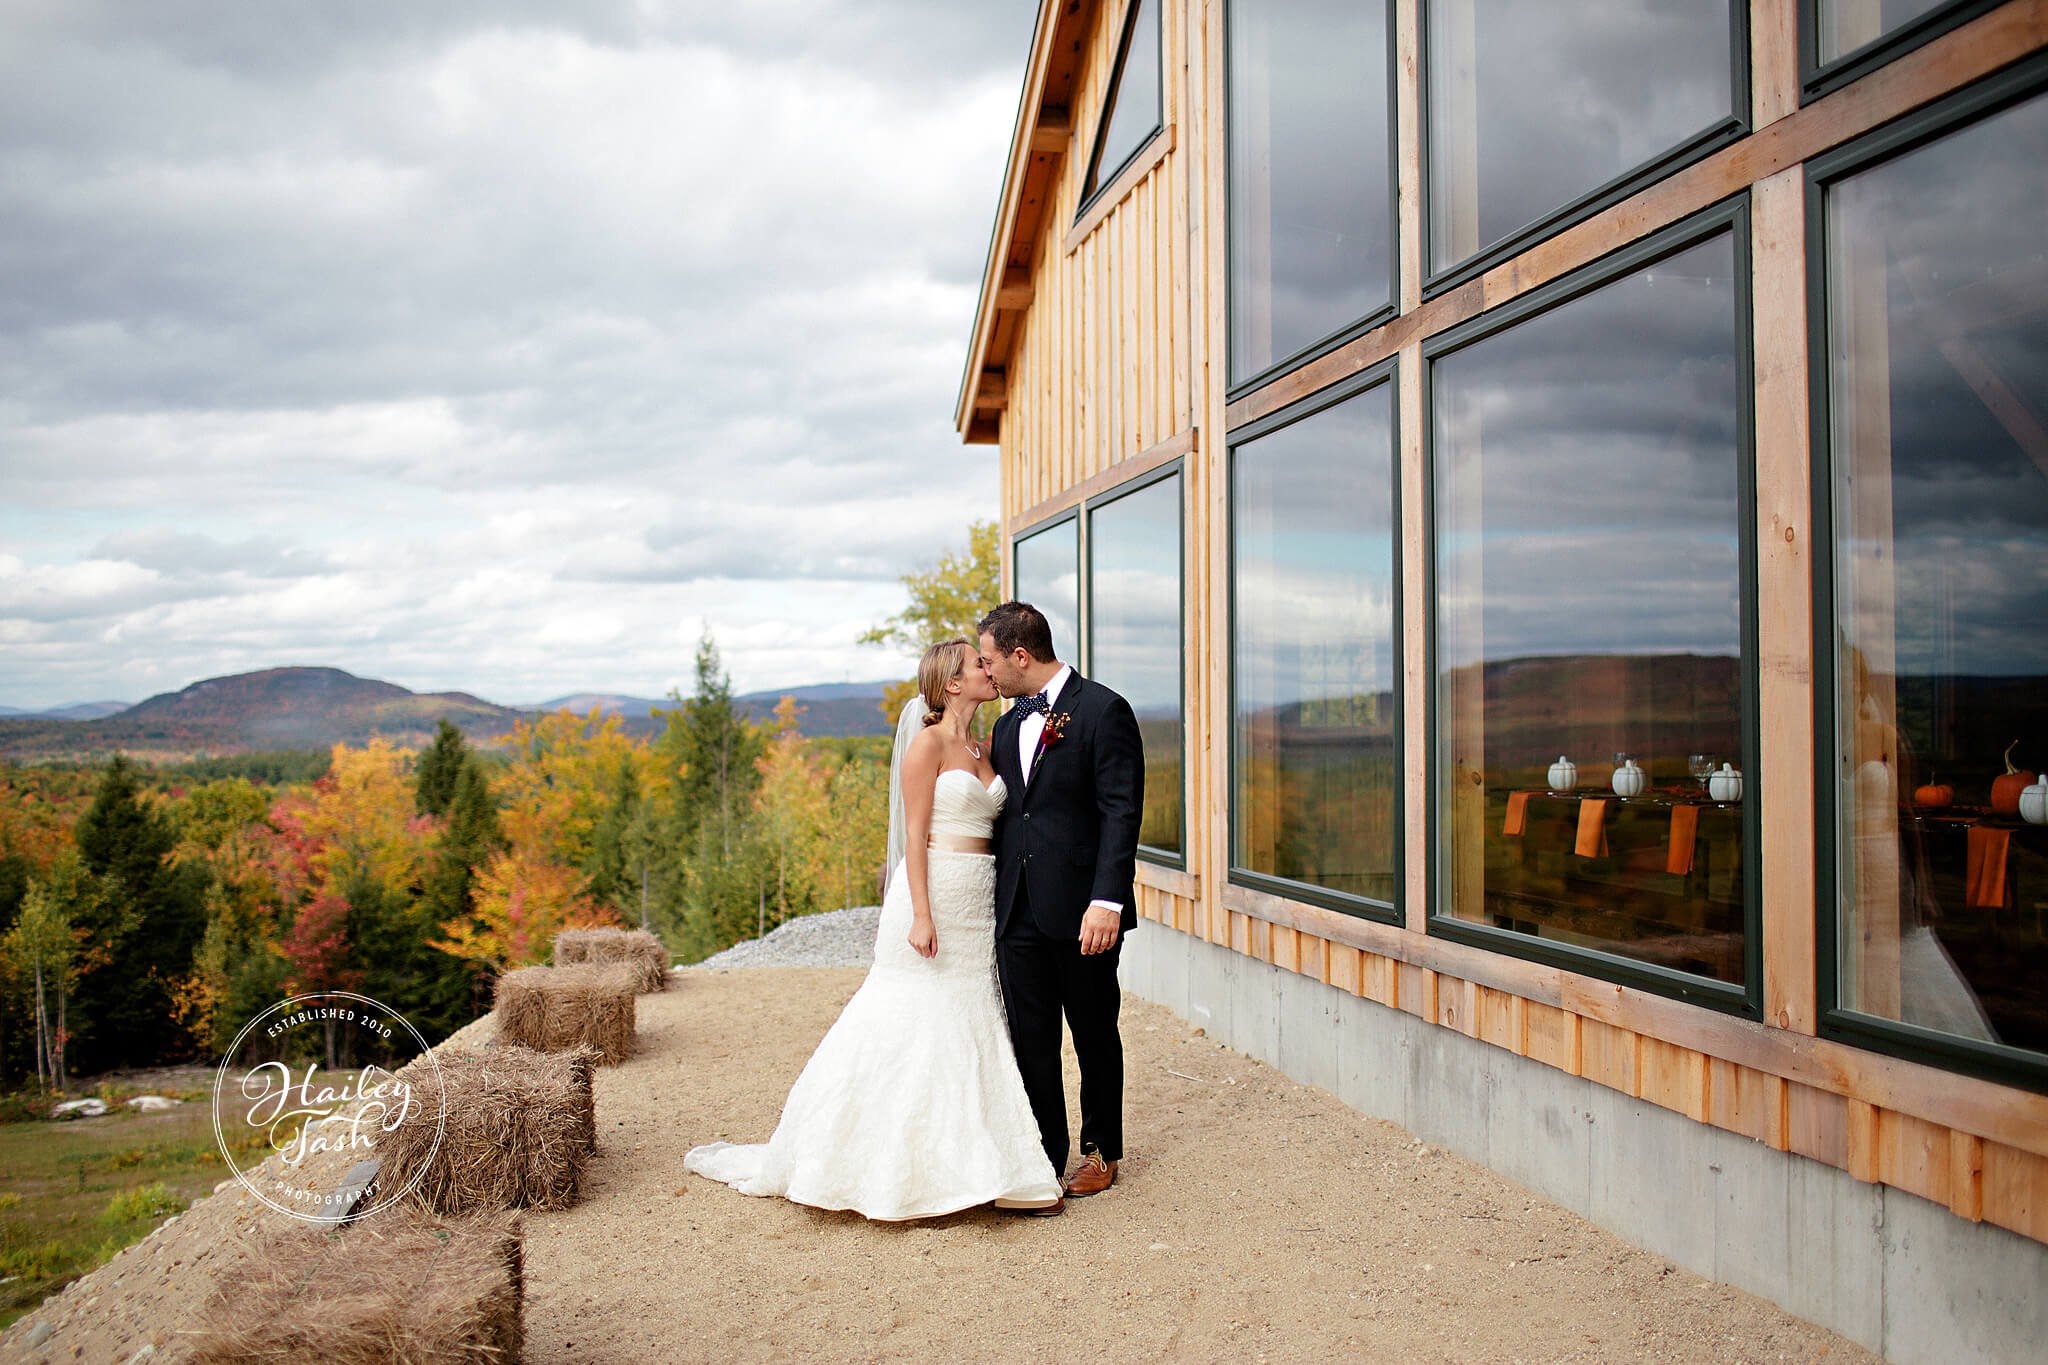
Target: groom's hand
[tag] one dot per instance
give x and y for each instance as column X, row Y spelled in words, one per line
column 1099, row 929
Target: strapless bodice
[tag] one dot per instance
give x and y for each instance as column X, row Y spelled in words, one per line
column 963, row 807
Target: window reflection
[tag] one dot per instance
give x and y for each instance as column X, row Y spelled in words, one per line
column 1587, row 464
column 1312, row 619
column 1529, row 110
column 1048, row 575
column 1846, row 25
column 1134, row 629
column 1310, row 174
column 1131, row 113
column 1937, row 321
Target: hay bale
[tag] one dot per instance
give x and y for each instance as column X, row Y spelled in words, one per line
column 402, row 1285
column 520, row 1127
column 552, row 1009
column 636, row 948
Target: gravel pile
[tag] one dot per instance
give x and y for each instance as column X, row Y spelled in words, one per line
column 836, row 938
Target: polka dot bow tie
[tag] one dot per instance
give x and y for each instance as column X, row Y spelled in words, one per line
column 1035, row 703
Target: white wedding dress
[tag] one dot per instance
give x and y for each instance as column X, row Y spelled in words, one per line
column 912, row 1105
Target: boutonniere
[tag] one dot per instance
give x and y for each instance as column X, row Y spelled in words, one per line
column 1055, row 729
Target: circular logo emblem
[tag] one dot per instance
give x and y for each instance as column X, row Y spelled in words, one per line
column 301, row 1137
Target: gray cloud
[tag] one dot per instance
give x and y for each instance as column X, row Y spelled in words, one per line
column 405, row 327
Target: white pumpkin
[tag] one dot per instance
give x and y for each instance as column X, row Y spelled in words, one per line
column 1725, row 785
column 2034, row 803
column 1628, row 779
column 1564, row 775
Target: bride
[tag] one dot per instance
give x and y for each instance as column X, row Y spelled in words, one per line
column 912, row 1106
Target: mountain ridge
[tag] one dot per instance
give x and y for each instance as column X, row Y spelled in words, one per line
column 306, row 707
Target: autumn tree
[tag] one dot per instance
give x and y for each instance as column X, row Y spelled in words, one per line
column 522, row 901
column 946, row 600
column 42, row 953
column 318, row 955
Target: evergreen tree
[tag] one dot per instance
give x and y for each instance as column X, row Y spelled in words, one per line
column 147, row 925
column 714, row 749
column 615, row 866
column 440, row 768
column 452, row 988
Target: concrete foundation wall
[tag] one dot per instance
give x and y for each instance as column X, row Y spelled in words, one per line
column 1901, row 1275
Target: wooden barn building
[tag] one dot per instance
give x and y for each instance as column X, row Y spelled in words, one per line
column 1565, row 487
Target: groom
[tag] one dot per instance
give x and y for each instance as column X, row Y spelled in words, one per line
column 1066, row 849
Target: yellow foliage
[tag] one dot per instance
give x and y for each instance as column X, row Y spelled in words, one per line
column 361, row 817
column 561, row 780
column 521, row 902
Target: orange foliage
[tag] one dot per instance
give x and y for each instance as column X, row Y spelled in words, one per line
column 522, row 901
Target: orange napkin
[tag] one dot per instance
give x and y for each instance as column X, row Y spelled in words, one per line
column 1988, row 848
column 1592, row 828
column 1685, row 828
column 1518, row 813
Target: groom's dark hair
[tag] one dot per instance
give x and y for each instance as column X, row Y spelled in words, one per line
column 1016, row 624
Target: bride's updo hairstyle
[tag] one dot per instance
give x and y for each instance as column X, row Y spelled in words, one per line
column 940, row 665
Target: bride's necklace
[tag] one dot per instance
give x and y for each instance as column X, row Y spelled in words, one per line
column 973, row 749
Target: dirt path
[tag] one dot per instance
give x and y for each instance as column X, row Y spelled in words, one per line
column 1254, row 1219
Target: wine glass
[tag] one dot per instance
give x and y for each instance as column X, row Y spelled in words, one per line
column 1701, row 766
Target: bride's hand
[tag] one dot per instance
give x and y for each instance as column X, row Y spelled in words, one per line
column 923, row 941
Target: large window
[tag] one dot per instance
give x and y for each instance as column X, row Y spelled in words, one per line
column 1134, row 636
column 1314, row 645
column 1047, row 571
column 1934, row 353
column 1132, row 110
column 1589, row 467
column 1311, row 175
column 1534, row 108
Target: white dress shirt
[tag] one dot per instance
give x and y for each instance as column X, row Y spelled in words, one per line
column 1028, row 734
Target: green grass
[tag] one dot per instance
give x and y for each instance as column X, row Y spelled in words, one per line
column 75, row 1193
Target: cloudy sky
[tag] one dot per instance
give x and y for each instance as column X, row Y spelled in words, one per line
column 501, row 345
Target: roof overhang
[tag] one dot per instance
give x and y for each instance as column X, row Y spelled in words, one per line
column 1040, row 143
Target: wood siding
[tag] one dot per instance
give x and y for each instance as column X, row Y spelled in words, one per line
column 1109, row 357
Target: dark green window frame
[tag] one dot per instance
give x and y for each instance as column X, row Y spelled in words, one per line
column 1385, row 312
column 1817, row 78
column 1385, row 372
column 1088, row 509
column 1730, row 216
column 1708, row 140
column 1991, row 1060
column 1097, row 180
column 1051, row 523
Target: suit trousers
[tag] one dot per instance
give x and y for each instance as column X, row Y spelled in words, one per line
column 1044, row 978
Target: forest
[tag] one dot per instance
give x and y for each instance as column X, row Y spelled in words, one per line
column 151, row 912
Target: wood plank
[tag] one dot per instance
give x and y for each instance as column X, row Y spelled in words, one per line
column 1817, row 1124
column 1380, row 979
column 1408, row 117
column 1053, row 132
column 1784, row 526
column 1497, row 1018
column 1345, row 966
column 1743, row 1100
column 1551, row 1036
column 1913, row 1155
column 1314, row 959
column 1966, row 1175
column 1860, row 1119
column 2016, row 1190
column 1414, row 989
column 1015, row 291
column 1674, row 1077
column 1283, row 948
column 1415, row 681
column 1106, row 203
column 1608, row 1056
column 1773, row 60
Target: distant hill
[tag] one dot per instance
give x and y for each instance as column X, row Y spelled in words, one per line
column 84, row 710
column 313, row 708
column 277, row 708
column 834, row 709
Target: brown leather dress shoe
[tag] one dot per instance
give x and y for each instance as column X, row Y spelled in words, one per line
column 1092, row 1176
column 1052, row 1210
